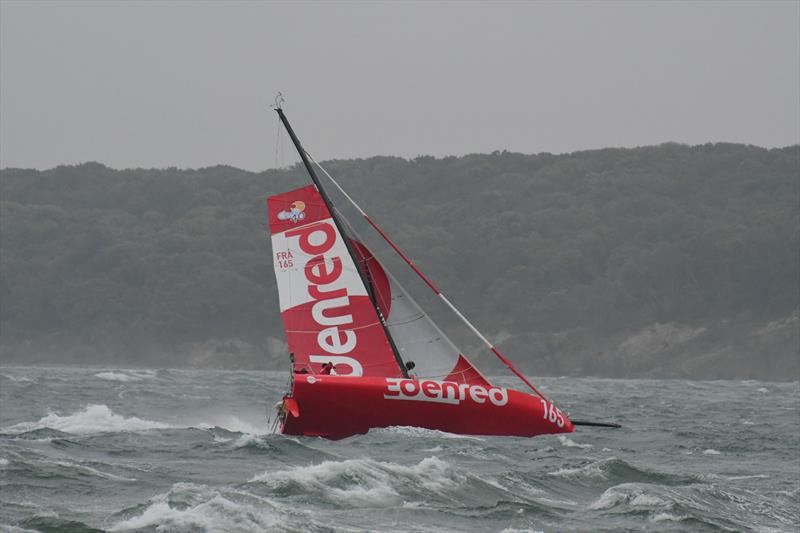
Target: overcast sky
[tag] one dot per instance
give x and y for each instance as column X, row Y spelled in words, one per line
column 149, row 84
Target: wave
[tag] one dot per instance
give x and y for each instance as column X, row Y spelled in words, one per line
column 590, row 470
column 17, row 379
column 417, row 432
column 235, row 424
column 88, row 470
column 192, row 507
column 127, row 376
column 704, row 505
column 363, row 481
column 569, row 443
column 662, row 517
column 619, row 471
column 48, row 523
column 116, row 376
column 99, row 418
column 632, row 494
column 92, row 419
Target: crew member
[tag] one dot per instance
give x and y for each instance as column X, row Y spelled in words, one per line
column 410, row 365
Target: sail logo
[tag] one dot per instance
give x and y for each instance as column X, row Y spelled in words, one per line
column 449, row 392
column 296, row 212
column 331, row 308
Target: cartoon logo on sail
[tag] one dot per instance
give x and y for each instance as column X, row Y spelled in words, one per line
column 295, row 214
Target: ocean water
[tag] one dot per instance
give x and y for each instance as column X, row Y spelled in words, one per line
column 173, row 450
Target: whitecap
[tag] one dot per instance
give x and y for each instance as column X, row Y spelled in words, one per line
column 208, row 510
column 555, row 501
column 569, row 443
column 630, row 493
column 364, row 481
column 247, row 440
column 17, row 379
column 235, row 424
column 711, row 451
column 712, row 476
column 591, row 470
column 417, row 432
column 610, row 498
column 662, row 517
column 647, row 500
column 93, row 471
column 3, row 461
column 116, row 376
column 14, row 529
column 92, row 419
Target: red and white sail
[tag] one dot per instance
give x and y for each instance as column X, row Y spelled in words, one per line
column 326, row 308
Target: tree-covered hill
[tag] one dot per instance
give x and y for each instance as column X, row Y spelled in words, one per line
column 564, row 258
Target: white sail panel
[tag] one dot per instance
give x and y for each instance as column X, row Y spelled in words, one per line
column 416, row 337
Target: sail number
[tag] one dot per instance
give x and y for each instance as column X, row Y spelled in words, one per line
column 284, row 259
column 552, row 413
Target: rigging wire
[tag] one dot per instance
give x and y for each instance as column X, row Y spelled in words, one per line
column 430, row 284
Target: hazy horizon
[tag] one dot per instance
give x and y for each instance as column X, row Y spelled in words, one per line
column 409, row 158
column 158, row 85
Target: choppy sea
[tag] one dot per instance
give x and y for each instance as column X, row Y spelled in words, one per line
column 175, row 450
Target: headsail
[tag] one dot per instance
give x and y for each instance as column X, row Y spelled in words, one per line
column 416, row 336
column 326, row 308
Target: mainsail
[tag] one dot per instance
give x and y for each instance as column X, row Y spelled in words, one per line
column 326, row 307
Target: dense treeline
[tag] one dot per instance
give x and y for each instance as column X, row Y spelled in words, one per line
column 141, row 262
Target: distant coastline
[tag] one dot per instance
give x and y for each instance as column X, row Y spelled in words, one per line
column 659, row 261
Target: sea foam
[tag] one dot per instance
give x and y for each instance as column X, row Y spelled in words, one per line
column 632, row 494
column 116, row 376
column 204, row 509
column 363, row 481
column 126, row 376
column 569, row 443
column 92, row 419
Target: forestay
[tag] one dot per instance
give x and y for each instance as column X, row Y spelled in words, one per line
column 415, row 335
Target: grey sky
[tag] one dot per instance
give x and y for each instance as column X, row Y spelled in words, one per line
column 133, row 84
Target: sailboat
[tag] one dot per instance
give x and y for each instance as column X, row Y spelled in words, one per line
column 363, row 354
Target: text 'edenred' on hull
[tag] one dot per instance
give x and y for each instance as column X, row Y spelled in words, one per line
column 335, row 407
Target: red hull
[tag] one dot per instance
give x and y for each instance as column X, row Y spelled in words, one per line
column 336, row 407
